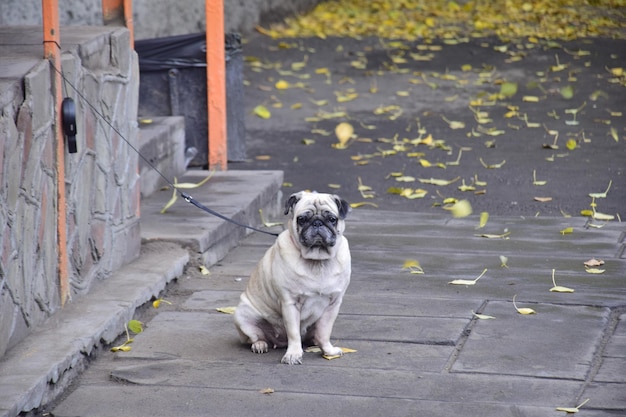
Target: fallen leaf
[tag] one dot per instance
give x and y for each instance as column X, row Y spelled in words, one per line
column 344, row 132
column 494, row 166
column 226, row 310
column 594, row 262
column 135, row 326
column 483, row 316
column 267, row 391
column 467, row 281
column 543, row 199
column 484, row 218
column 413, row 266
column 523, row 310
column 434, row 181
column 558, row 288
column 503, row 261
column 572, row 409
column 494, row 236
column 461, row 208
column 262, row 112
column 602, row 195
column 157, row 303
column 567, row 231
column 595, row 270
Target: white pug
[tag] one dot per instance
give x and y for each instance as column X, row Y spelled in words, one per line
column 295, row 292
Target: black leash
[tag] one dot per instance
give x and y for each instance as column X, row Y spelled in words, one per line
column 188, row 198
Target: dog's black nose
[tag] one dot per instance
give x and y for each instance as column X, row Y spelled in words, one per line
column 317, row 223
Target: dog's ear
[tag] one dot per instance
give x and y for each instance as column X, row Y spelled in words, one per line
column 343, row 206
column 292, row 201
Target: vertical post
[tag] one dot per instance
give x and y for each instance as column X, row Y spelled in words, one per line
column 52, row 52
column 119, row 12
column 216, row 84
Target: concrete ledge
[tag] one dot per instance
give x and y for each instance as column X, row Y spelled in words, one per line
column 42, row 365
column 36, row 371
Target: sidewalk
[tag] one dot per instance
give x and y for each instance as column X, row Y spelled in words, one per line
column 42, row 367
column 420, row 349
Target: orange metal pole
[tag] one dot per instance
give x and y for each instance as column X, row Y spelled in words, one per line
column 119, row 12
column 52, row 52
column 216, row 84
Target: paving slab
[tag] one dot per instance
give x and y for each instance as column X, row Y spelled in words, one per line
column 420, row 349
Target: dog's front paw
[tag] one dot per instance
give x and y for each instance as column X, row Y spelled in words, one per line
column 332, row 351
column 260, row 346
column 292, row 358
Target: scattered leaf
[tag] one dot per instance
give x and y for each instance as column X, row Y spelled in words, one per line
column 135, row 326
column 484, row 218
column 595, row 270
column 262, row 112
column 567, row 231
column 494, row 236
column 558, row 288
column 461, row 208
column 543, row 199
column 483, row 316
column 157, row 303
column 265, row 222
column 413, row 266
column 503, row 261
column 226, row 310
column 601, row 195
column 467, row 281
column 344, row 132
column 267, row 391
column 523, row 310
column 594, row 262
column 572, row 409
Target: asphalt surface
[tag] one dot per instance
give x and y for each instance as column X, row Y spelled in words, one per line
column 448, row 93
column 420, row 347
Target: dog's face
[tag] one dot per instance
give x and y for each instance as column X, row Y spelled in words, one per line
column 316, row 221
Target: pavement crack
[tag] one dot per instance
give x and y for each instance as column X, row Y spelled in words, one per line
column 465, row 334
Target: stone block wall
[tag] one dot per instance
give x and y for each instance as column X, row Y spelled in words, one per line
column 102, row 181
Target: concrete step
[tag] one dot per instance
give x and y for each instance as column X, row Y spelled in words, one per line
column 162, row 144
column 36, row 371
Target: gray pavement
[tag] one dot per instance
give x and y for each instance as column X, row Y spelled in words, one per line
column 420, row 349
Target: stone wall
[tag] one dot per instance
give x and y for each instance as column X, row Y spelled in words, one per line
column 102, row 182
column 158, row 18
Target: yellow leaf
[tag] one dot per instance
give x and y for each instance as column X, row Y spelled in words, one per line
column 172, row 200
column 503, row 261
column 413, row 266
column 188, row 185
column 434, row 181
column 602, row 216
column 483, row 316
column 363, row 203
column 263, row 157
column 523, row 310
column 308, row 141
column 462, row 208
column 530, row 99
column 493, row 166
column 467, row 281
column 567, row 231
column 204, row 270
column 494, row 236
column 614, row 135
column 558, row 288
column 122, row 348
column 344, row 132
column 595, row 270
column 484, row 217
column 226, row 310
column 572, row 409
column 262, row 112
column 267, row 391
column 281, row 85
column 571, row 144
column 543, row 199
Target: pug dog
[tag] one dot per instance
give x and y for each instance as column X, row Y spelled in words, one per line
column 294, row 294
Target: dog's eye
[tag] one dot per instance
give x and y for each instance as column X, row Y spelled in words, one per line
column 301, row 220
column 333, row 220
